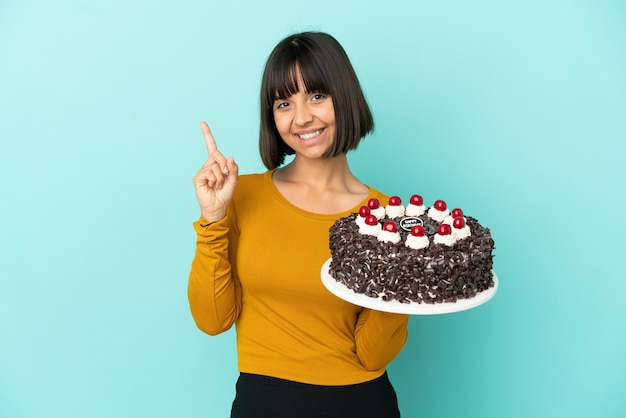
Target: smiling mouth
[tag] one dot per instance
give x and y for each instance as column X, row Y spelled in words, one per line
column 310, row 135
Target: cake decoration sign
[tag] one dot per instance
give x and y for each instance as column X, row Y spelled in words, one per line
column 409, row 222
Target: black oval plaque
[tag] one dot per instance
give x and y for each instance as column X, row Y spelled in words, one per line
column 409, row 222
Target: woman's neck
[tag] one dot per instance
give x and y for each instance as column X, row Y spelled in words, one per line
column 321, row 185
column 317, row 174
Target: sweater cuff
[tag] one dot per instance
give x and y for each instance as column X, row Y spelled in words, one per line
column 205, row 228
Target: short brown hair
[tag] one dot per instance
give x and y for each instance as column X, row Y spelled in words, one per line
column 325, row 68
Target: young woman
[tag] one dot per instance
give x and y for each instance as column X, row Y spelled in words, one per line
column 262, row 239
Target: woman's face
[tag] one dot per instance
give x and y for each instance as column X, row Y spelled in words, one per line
column 306, row 122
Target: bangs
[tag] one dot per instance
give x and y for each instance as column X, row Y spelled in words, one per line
column 284, row 82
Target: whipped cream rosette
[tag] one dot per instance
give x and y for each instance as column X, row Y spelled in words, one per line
column 394, row 209
column 460, row 229
column 375, row 208
column 439, row 211
column 389, row 233
column 415, row 207
column 455, row 213
column 370, row 226
column 417, row 239
column 444, row 235
column 364, row 212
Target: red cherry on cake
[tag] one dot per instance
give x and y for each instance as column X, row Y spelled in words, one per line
column 459, row 222
column 418, row 231
column 440, row 205
column 390, row 226
column 444, row 229
column 395, row 201
column 373, row 203
column 417, row 200
column 364, row 211
column 371, row 220
column 456, row 212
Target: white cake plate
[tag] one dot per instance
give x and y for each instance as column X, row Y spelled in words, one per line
column 413, row 308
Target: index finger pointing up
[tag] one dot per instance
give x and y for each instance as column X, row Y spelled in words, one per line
column 211, row 146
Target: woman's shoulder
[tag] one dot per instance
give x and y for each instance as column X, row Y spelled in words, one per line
column 254, row 179
column 251, row 191
column 375, row 193
column 253, row 184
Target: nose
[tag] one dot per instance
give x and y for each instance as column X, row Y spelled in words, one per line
column 303, row 115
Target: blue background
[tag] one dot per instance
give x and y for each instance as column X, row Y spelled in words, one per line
column 515, row 111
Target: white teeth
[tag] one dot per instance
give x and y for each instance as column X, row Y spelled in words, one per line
column 311, row 135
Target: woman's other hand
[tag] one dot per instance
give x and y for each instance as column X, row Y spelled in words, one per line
column 216, row 180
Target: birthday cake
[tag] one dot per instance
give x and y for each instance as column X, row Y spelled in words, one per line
column 412, row 254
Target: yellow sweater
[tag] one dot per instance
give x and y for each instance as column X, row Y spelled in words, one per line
column 259, row 268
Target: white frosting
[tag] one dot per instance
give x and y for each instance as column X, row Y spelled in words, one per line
column 461, row 233
column 417, row 243
column 360, row 221
column 379, row 212
column 388, row 236
column 394, row 211
column 438, row 215
column 449, row 219
column 448, row 240
column 366, row 229
column 414, row 210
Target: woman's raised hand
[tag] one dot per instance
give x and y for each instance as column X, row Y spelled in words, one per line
column 216, row 180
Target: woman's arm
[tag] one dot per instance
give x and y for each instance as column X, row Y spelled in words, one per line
column 214, row 291
column 380, row 336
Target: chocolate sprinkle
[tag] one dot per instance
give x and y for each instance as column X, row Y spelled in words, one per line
column 436, row 274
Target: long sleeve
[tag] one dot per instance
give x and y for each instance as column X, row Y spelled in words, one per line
column 214, row 290
column 379, row 336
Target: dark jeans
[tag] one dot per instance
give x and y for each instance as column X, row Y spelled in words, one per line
column 269, row 397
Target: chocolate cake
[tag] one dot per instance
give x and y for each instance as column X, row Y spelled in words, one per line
column 411, row 254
